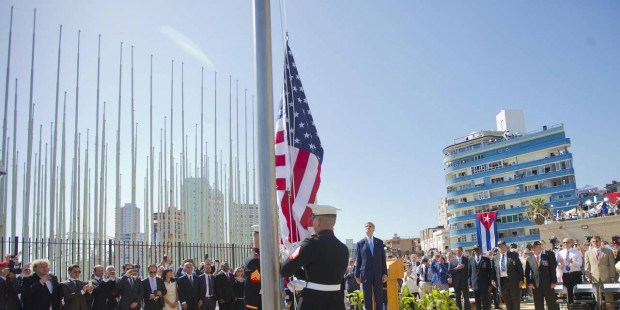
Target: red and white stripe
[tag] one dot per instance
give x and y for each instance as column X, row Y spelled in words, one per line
column 298, row 176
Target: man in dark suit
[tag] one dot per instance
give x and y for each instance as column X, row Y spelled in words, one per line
column 508, row 276
column 206, row 290
column 371, row 268
column 104, row 293
column 458, row 272
column 187, row 293
column 41, row 290
column 75, row 292
column 480, row 278
column 12, row 287
column 154, row 290
column 225, row 288
column 540, row 276
column 130, row 289
column 615, row 248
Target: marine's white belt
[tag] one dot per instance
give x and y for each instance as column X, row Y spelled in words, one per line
column 323, row 287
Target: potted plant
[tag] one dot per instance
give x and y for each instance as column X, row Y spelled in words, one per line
column 537, row 211
column 356, row 299
column 407, row 300
column 437, row 300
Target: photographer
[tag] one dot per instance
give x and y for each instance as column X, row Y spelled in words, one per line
column 104, row 293
column 10, row 286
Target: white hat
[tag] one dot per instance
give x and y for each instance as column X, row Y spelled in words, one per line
column 319, row 210
column 256, row 228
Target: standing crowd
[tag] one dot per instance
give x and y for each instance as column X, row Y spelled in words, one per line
column 511, row 275
column 187, row 287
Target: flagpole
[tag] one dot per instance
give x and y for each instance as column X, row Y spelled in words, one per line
column 14, row 172
column 148, row 236
column 117, row 208
column 74, row 177
column 103, row 176
column 3, row 181
column 269, row 263
column 96, row 205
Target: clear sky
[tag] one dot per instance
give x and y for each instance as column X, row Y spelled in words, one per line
column 390, row 84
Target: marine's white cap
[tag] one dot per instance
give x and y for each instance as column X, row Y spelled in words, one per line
column 318, row 210
column 256, row 228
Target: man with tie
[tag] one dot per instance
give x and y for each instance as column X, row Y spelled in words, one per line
column 206, row 290
column 541, row 277
column 75, row 291
column 225, row 288
column 187, row 292
column 599, row 268
column 425, row 274
column 41, row 291
column 154, row 290
column 508, row 276
column 615, row 248
column 458, row 272
column 480, row 272
column 130, row 288
column 104, row 294
column 371, row 267
column 570, row 260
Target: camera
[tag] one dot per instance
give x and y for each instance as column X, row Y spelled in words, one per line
column 588, row 238
column 554, row 240
column 136, row 266
column 12, row 268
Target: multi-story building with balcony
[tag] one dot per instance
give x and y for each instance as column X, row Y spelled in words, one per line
column 502, row 170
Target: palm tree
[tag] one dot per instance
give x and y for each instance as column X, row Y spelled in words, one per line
column 537, row 211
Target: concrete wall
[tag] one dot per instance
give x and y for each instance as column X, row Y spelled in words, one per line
column 606, row 227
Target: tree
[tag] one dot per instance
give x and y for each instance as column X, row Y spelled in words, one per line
column 537, row 211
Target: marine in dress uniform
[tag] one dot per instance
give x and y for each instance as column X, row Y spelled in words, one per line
column 324, row 259
column 251, row 274
column 541, row 277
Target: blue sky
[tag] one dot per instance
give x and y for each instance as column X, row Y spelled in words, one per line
column 390, row 84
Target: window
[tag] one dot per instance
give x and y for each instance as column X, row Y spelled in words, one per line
column 534, row 231
column 497, row 180
column 474, row 237
column 481, row 195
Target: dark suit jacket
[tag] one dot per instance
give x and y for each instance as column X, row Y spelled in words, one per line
column 148, row 290
column 187, row 291
column 14, row 287
column 36, row 296
column 370, row 267
column 3, row 293
column 72, row 294
column 225, row 286
column 514, row 268
column 543, row 275
column 129, row 293
column 201, row 287
column 104, row 295
column 459, row 277
column 480, row 274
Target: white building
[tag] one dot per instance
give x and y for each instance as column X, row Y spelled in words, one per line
column 130, row 219
column 241, row 218
column 204, row 218
column 442, row 211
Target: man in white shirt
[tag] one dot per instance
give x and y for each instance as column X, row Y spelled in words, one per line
column 570, row 260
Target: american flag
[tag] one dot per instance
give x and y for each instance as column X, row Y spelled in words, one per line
column 299, row 155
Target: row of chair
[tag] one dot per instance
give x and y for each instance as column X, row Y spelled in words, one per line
column 584, row 295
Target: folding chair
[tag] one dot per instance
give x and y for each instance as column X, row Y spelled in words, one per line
column 613, row 288
column 583, row 296
column 562, row 296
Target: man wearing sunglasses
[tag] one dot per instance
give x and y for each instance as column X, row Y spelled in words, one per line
column 600, row 268
column 74, row 291
column 154, row 290
column 570, row 260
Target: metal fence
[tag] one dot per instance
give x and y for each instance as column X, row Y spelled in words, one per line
column 88, row 253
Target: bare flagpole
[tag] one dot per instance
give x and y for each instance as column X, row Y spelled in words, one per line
column 269, row 263
column 3, row 182
column 54, row 155
column 26, row 219
column 202, row 168
column 96, row 204
column 151, row 160
column 14, row 172
column 102, row 192
column 117, row 233
column 75, row 178
column 230, row 161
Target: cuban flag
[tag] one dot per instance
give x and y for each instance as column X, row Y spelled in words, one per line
column 487, row 230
